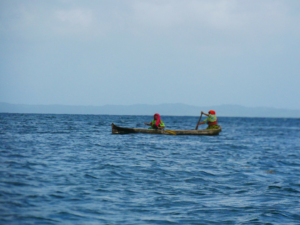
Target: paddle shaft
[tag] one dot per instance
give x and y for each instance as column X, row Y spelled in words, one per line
column 198, row 122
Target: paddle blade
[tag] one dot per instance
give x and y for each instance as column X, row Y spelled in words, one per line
column 171, row 132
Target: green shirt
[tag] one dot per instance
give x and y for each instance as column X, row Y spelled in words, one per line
column 211, row 118
column 161, row 124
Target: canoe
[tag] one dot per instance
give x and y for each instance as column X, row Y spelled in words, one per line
column 123, row 130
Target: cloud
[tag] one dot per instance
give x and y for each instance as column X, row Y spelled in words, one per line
column 77, row 17
column 150, row 17
column 74, row 21
column 198, row 21
column 213, row 14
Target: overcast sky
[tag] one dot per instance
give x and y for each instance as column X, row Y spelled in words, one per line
column 197, row 52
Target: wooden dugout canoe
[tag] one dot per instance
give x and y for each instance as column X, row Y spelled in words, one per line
column 123, row 130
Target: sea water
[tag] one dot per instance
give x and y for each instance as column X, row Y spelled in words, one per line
column 70, row 169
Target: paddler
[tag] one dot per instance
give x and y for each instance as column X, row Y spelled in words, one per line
column 211, row 120
column 157, row 123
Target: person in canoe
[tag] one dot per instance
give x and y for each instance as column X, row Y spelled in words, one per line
column 211, row 120
column 157, row 123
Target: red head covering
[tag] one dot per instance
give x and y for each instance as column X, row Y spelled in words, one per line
column 212, row 112
column 157, row 120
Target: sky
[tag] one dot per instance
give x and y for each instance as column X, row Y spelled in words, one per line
column 196, row 52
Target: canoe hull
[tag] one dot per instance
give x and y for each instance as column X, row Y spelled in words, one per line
column 123, row 130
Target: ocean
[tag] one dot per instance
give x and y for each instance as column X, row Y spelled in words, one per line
column 70, row 169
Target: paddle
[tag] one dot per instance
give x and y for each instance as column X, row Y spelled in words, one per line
column 170, row 132
column 198, row 122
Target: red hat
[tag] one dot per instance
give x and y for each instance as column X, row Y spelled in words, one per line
column 212, row 112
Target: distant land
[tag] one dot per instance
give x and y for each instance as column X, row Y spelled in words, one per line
column 144, row 109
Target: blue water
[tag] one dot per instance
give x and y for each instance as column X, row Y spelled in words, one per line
column 70, row 169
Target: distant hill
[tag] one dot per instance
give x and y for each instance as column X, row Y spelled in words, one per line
column 143, row 109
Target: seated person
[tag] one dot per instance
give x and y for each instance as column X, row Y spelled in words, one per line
column 211, row 120
column 157, row 123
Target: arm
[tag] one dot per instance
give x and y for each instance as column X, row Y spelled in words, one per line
column 161, row 125
column 204, row 113
column 149, row 124
column 201, row 123
column 157, row 127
